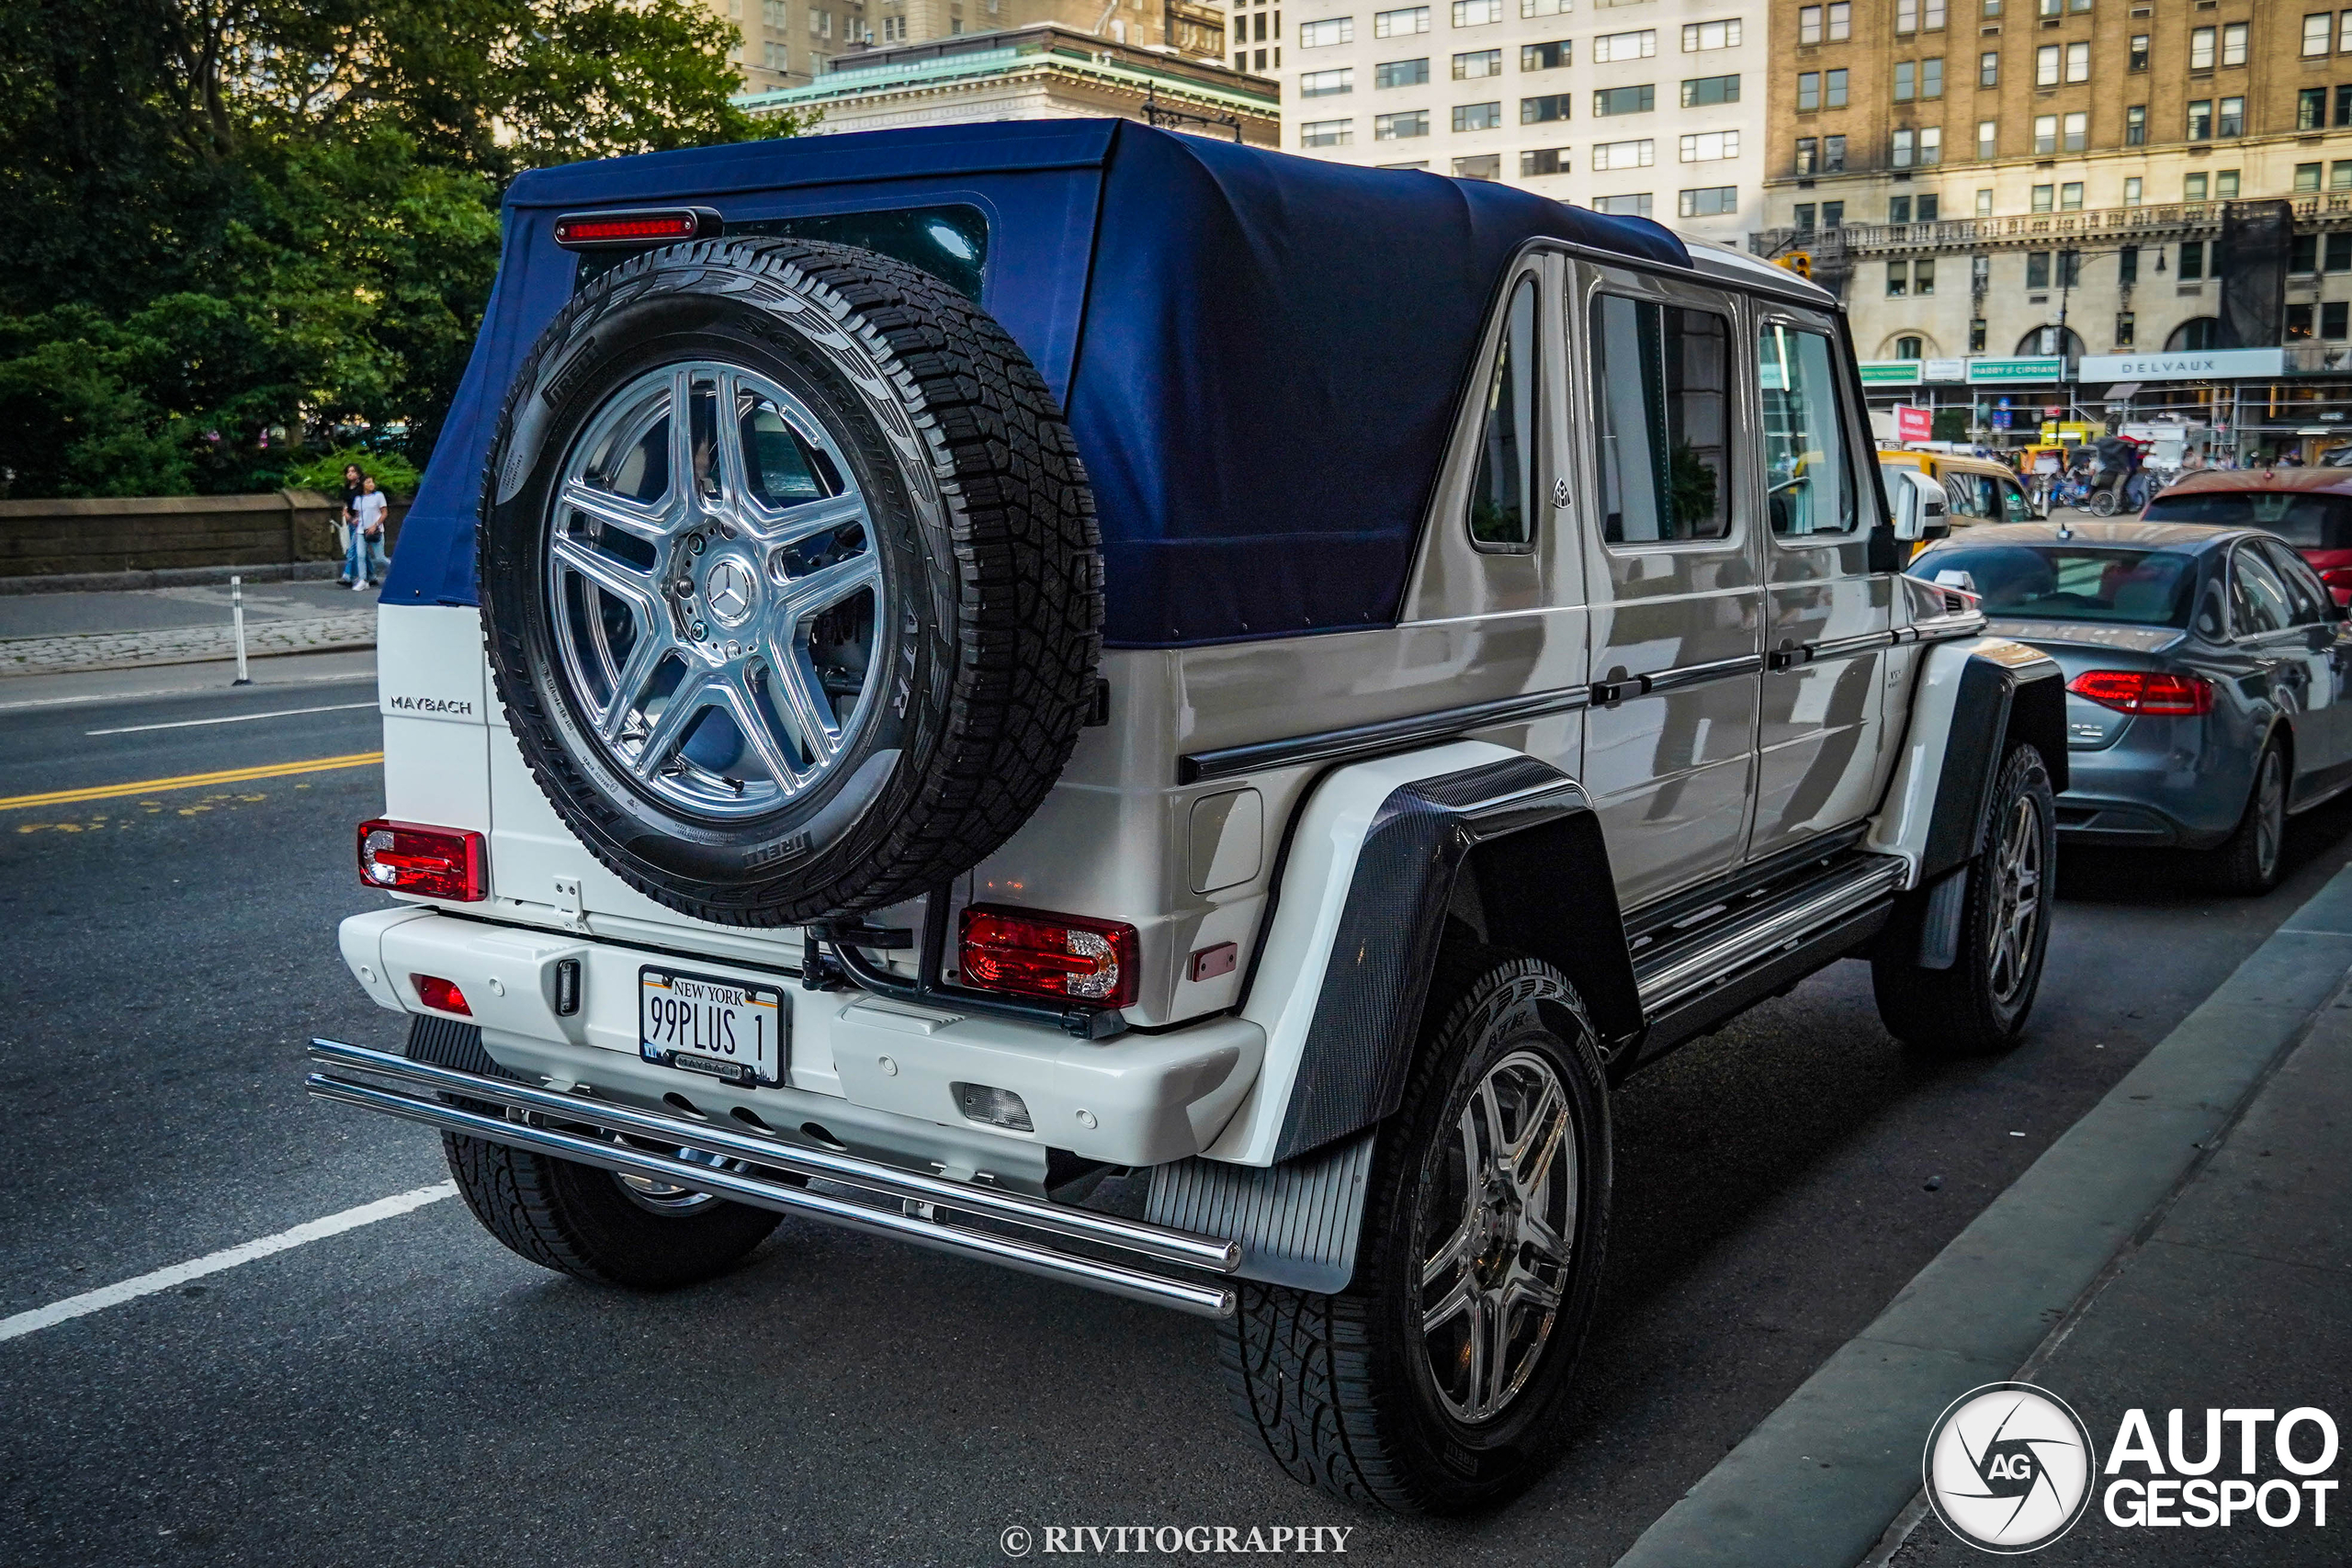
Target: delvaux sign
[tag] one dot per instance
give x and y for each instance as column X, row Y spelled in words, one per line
column 2199, row 365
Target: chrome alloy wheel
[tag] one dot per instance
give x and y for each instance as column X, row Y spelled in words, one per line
column 2017, row 899
column 1491, row 1291
column 666, row 1198
column 2270, row 813
column 716, row 590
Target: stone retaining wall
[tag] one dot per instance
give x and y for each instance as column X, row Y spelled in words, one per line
column 41, row 538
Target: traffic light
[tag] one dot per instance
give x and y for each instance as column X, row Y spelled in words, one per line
column 1799, row 263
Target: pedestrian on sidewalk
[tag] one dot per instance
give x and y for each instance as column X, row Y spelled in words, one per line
column 351, row 489
column 367, row 561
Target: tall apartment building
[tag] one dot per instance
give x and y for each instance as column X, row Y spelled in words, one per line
column 2021, row 180
column 791, row 42
column 1647, row 106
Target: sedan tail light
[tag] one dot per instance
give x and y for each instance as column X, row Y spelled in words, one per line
column 2338, row 580
column 433, row 862
column 2155, row 691
column 441, row 996
column 1033, row 952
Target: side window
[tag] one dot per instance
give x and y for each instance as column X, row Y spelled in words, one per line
column 2308, row 603
column 1661, row 384
column 2014, row 505
column 1807, row 478
column 1960, row 493
column 2258, row 601
column 1502, row 499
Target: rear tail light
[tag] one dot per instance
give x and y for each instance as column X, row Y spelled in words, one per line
column 433, row 862
column 662, row 226
column 2153, row 692
column 2338, row 580
column 441, row 996
column 1031, row 952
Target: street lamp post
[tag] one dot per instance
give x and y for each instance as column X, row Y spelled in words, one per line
column 2065, row 288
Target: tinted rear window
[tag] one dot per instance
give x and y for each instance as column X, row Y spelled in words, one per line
column 951, row 243
column 2074, row 583
column 2305, row 521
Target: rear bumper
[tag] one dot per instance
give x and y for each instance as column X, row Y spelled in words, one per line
column 1028, row 1233
column 2161, row 783
column 873, row 1074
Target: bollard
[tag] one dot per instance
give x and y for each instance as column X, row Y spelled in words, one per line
column 237, row 615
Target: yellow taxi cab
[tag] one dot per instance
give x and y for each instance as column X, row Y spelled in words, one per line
column 1981, row 489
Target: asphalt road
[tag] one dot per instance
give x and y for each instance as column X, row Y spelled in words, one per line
column 409, row 1392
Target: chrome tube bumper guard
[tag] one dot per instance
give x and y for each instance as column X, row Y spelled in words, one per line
column 574, row 1127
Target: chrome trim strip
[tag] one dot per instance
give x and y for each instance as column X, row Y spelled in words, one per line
column 1376, row 739
column 1157, row 1242
column 1782, row 926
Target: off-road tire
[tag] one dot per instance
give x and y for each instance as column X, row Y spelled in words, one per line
column 2251, row 860
column 576, row 1220
column 1966, row 1010
column 1337, row 1385
column 983, row 523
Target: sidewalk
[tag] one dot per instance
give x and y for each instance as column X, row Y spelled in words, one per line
column 49, row 633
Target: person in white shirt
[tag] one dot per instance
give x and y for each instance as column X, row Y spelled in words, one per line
column 367, row 562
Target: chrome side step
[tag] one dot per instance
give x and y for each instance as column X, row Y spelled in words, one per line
column 590, row 1131
column 1682, row 972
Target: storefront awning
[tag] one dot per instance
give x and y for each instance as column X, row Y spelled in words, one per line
column 2121, row 391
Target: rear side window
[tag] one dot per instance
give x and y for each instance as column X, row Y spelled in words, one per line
column 1661, row 378
column 950, row 242
column 1807, row 480
column 1502, row 498
column 2306, row 520
column 2259, row 601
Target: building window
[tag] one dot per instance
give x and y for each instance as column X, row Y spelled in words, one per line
column 1987, row 139
column 1808, row 24
column 1477, row 62
column 778, row 57
column 1697, row 35
column 1898, row 279
column 2135, row 126
column 2231, row 120
column 2126, row 329
column 1624, row 46
column 1327, row 84
column 1833, row 213
column 2132, row 190
column 1477, row 13
column 1910, row 347
column 2138, row 58
column 1624, row 206
column 2201, row 48
column 1932, row 78
column 1396, row 127
column 1342, row 132
column 1991, row 7
column 2318, row 28
column 1906, row 76
column 1833, row 162
column 2311, row 109
column 1699, row 91
column 1976, row 335
column 2070, row 197
column 1385, row 24
column 1536, row 111
column 2192, row 188
column 2193, row 260
column 1325, row 34
column 1542, row 161
column 1907, row 15
column 1833, row 89
column 1545, row 56
column 1477, row 117
column 1903, row 149
column 1479, row 166
column 1932, row 12
column 1638, row 154
column 1534, row 7
column 2225, row 185
column 1805, row 217
column 1988, row 70
column 2233, row 43
column 2079, row 130
column 1808, row 156
column 2045, row 197
column 1624, row 100
column 2045, row 65
column 1922, row 283
column 2302, row 253
column 2339, row 175
column 2333, row 319
column 1984, row 202
column 2344, row 31
column 1710, row 201
column 1707, row 146
column 2200, row 119
column 1980, row 272
column 1841, row 20
column 1898, row 209
column 2045, row 133
column 1931, row 146
column 2343, row 106
column 2037, row 269
column 1926, row 213
column 1401, row 73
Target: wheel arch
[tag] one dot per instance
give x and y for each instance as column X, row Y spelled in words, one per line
column 1971, row 702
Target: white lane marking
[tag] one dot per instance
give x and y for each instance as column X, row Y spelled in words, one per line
column 212, row 1263
column 227, row 719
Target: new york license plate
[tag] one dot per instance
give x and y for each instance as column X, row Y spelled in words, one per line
column 700, row 1023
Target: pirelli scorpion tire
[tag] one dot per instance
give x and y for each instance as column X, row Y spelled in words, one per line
column 790, row 576
column 1434, row 1383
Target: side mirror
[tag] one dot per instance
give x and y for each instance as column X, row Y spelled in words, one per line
column 1918, row 500
column 1936, row 519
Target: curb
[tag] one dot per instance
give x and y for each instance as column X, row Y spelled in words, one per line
column 166, row 577
column 1820, row 1479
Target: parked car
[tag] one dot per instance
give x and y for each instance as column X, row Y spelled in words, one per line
column 1981, row 489
column 2209, row 678
column 2309, row 508
column 1024, row 653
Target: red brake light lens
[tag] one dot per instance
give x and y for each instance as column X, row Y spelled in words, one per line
column 433, row 862
column 441, row 996
column 1033, row 952
column 590, row 230
column 2338, row 580
column 2153, row 692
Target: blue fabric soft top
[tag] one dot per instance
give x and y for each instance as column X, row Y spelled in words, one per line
column 1261, row 355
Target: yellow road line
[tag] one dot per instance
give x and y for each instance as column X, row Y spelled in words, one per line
column 189, row 781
